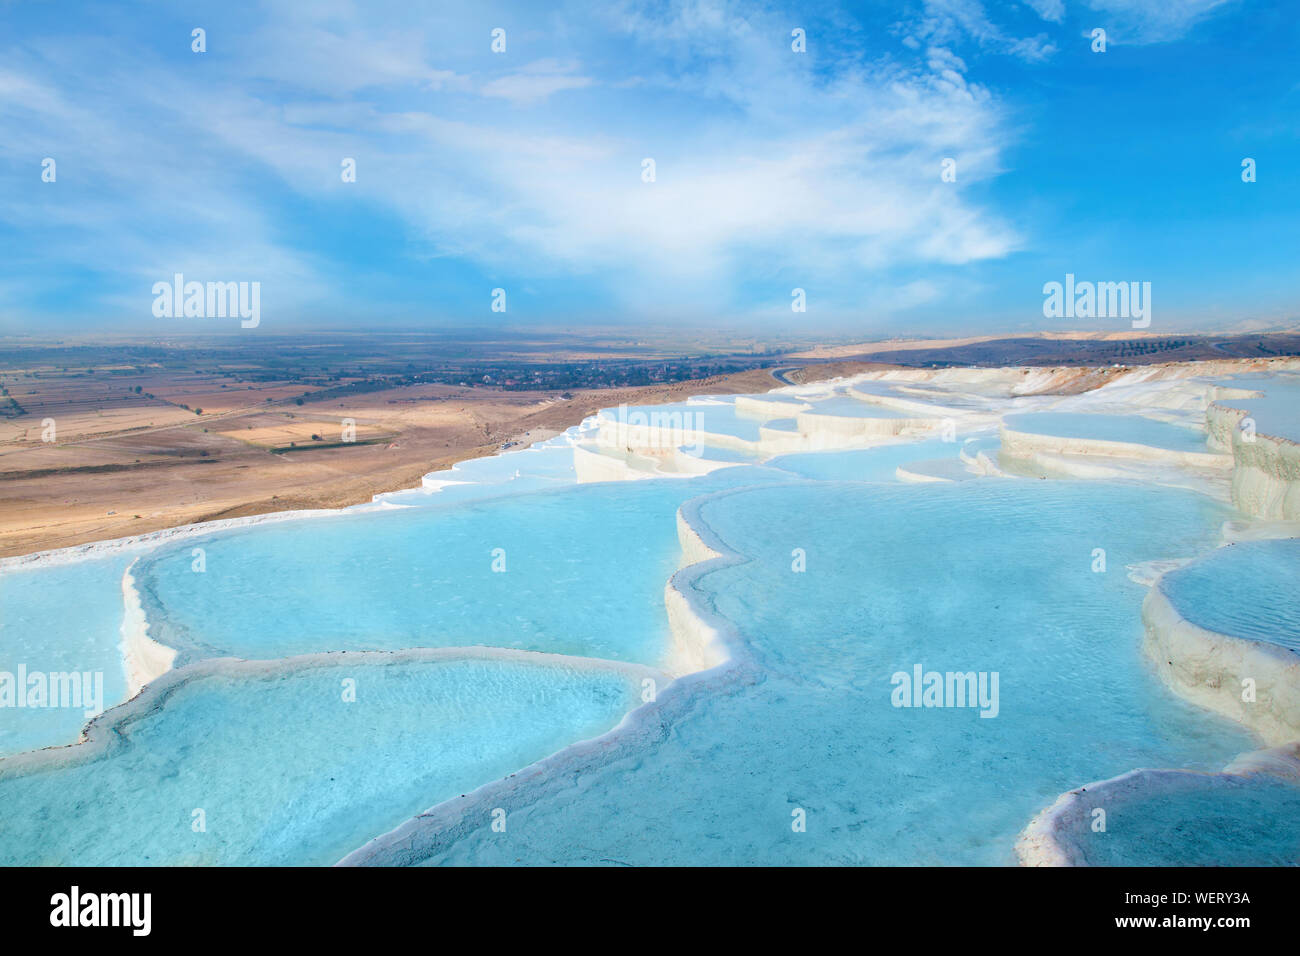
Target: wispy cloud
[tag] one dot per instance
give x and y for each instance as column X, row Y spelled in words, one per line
column 1153, row 21
column 536, row 81
column 1053, row 10
column 952, row 22
column 773, row 167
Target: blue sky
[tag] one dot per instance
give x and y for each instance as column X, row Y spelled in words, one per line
column 774, row 169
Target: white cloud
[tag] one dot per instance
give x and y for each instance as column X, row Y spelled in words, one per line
column 950, row 22
column 765, row 168
column 536, row 82
column 1053, row 10
column 1152, row 21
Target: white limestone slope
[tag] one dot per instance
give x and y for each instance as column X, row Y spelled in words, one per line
column 1253, row 682
column 1211, row 669
column 1266, row 468
column 1055, row 837
column 144, row 659
column 1030, row 445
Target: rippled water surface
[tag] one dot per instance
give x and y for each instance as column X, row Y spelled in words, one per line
column 1249, row 589
column 286, row 770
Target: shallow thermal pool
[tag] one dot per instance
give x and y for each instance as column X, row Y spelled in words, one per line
column 983, row 576
column 999, row 580
column 584, row 573
column 1197, row 821
column 575, row 571
column 842, row 406
column 1277, row 413
column 285, row 771
column 1134, row 429
column 869, row 464
column 1248, row 589
column 704, row 418
column 65, row 618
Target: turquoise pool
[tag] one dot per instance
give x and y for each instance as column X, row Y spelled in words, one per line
column 1134, row 429
column 1248, row 589
column 817, row 731
column 284, row 770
